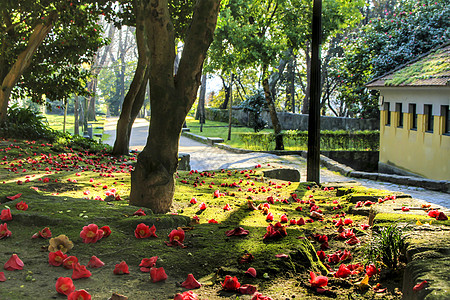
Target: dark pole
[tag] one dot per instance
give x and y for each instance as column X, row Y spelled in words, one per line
column 313, row 158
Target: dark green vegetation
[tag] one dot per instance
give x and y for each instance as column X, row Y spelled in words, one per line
column 63, row 205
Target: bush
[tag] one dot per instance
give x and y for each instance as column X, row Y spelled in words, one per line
column 329, row 140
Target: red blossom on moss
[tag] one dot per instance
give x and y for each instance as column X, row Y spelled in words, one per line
column 318, row 281
column 64, row 285
column 191, row 283
column 176, row 238
column 80, row 271
column 275, row 231
column 91, row 233
column 371, row 270
column 188, row 295
column 139, row 212
column 4, row 232
column 147, row 263
column 21, row 205
column 95, row 262
column 227, row 207
column 251, row 271
column 121, row 269
column 45, row 233
column 284, row 219
column 259, row 296
column 2, row 277
column 342, row 272
column 420, row 286
column 247, row 289
column 202, row 206
column 79, row 295
column 158, row 274
column 16, row 196
column 5, row 215
column 212, row 221
column 230, row 283
column 142, row 231
column 237, row 231
column 106, row 231
column 70, row 262
column 56, row 258
column 14, row 263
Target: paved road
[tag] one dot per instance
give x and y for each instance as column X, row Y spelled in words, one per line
column 204, row 157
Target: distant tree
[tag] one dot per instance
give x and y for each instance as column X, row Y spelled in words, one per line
column 385, row 43
column 42, row 46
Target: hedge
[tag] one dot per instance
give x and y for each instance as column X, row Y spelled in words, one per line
column 329, row 140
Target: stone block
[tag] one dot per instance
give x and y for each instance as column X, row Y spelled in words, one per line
column 184, row 160
column 283, row 174
column 214, row 140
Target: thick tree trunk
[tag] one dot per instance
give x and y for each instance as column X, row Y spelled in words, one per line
column 152, row 181
column 230, row 107
column 91, row 102
column 201, row 100
column 273, row 113
column 290, row 85
column 23, row 62
column 136, row 93
column 226, row 88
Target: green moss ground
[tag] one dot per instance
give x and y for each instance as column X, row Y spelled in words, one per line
column 62, row 205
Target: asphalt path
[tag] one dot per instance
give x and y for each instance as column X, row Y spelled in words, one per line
column 204, row 157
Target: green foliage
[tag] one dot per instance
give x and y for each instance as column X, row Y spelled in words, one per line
column 383, row 44
column 386, row 246
column 27, row 123
column 74, row 39
column 254, row 105
column 329, row 140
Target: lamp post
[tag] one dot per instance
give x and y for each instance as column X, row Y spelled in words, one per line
column 313, row 157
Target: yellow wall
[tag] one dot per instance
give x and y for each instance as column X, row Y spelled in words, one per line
column 424, row 153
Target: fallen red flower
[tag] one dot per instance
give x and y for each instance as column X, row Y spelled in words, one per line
column 191, row 283
column 13, row 263
column 45, row 233
column 275, row 231
column 342, row 272
column 420, row 286
column 251, row 272
column 212, row 221
column 202, row 206
column 12, row 198
column 371, row 270
column 158, row 274
column 176, row 238
column 95, row 262
column 106, row 231
column 80, row 271
column 301, row 221
column 230, row 283
column 227, row 207
column 353, row 241
column 70, row 262
column 4, row 232
column 318, row 281
column 284, row 219
column 269, row 217
column 442, row 217
column 79, row 295
column 6, row 215
column 321, row 255
column 21, row 205
column 139, row 212
column 188, row 295
column 147, row 263
column 259, row 296
column 379, row 289
column 121, row 269
column 433, row 213
column 238, row 231
column 2, row 277
column 246, row 258
column 91, row 233
column 247, row 289
column 142, row 231
column 56, row 258
column 64, row 285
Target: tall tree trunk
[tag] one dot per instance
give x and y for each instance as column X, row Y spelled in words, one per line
column 23, row 61
column 139, row 83
column 201, row 98
column 152, row 181
column 290, row 85
column 138, row 103
column 273, row 113
column 91, row 101
column 305, row 104
column 230, row 107
column 65, row 116
column 76, row 130
column 226, row 88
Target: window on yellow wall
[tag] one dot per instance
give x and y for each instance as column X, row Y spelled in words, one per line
column 412, row 110
column 398, row 109
column 446, row 116
column 387, row 120
column 429, row 119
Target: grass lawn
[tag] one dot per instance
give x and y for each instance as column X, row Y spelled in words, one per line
column 67, row 191
column 57, row 122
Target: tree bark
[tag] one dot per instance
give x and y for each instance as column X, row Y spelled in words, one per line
column 23, row 61
column 290, row 85
column 226, row 88
column 279, row 145
column 171, row 97
column 305, row 104
column 230, row 107
column 76, row 130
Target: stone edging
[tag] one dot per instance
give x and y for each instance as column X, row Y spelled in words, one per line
column 436, row 185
